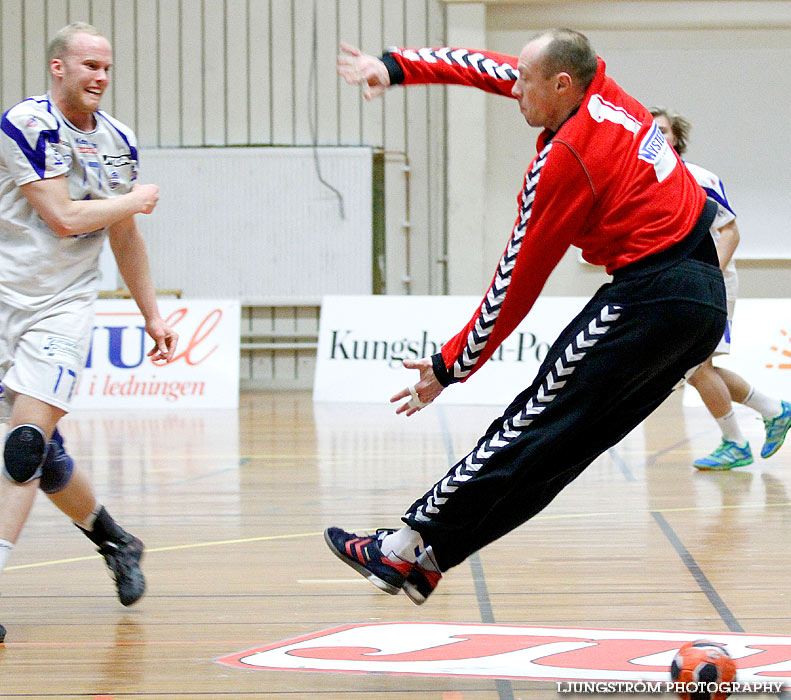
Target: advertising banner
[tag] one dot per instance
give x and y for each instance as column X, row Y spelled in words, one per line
column 203, row 374
column 364, row 339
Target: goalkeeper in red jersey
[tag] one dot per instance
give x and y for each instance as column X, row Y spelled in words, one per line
column 604, row 179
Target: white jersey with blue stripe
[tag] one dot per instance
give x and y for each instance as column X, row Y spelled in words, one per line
column 715, row 190
column 37, row 267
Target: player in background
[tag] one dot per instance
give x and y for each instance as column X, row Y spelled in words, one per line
column 68, row 176
column 719, row 387
column 605, row 180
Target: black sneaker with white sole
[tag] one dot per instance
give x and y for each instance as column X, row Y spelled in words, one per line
column 123, row 557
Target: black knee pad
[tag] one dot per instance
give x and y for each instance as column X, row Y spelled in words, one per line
column 25, row 449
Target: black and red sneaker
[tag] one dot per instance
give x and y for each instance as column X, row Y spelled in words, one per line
column 2, row 634
column 364, row 554
column 420, row 584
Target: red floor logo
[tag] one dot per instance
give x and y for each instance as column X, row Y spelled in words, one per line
column 503, row 651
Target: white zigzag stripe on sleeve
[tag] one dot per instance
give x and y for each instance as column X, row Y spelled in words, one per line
column 490, row 308
column 467, row 59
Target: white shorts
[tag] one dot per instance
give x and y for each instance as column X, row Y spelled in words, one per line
column 724, row 346
column 43, row 352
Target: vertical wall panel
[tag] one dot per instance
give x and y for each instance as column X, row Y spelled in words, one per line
column 168, row 112
column 259, row 73
column 436, row 154
column 395, row 126
column 350, row 101
column 282, row 73
column 417, row 136
column 56, row 18
column 301, row 67
column 397, row 178
column 236, row 83
column 80, row 10
column 100, row 14
column 326, row 78
column 214, row 72
column 11, row 39
column 125, row 82
column 146, row 70
column 192, row 132
column 372, row 130
column 34, row 33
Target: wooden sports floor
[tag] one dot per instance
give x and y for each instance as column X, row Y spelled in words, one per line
column 232, row 505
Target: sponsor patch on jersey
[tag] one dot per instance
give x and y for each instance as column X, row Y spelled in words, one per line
column 85, row 147
column 510, row 651
column 655, row 149
column 653, row 145
column 118, row 161
column 31, row 123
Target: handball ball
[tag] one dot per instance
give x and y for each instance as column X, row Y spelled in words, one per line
column 701, row 667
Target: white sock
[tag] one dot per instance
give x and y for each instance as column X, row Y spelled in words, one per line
column 765, row 405
column 405, row 544
column 5, row 552
column 87, row 524
column 730, row 429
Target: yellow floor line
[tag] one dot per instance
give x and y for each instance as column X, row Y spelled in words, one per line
column 165, row 549
column 539, row 518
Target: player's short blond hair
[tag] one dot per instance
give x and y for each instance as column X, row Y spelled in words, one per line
column 678, row 125
column 60, row 43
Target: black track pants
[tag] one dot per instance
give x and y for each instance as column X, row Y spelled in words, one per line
column 609, row 369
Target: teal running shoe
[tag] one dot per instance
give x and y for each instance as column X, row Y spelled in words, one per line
column 727, row 456
column 776, row 429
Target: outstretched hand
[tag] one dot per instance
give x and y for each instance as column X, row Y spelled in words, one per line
column 358, row 68
column 423, row 392
column 164, row 337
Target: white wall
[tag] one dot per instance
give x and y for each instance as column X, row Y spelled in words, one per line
column 238, row 72
column 725, row 93
column 723, row 64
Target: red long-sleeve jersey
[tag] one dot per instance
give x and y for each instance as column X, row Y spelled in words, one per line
column 607, row 182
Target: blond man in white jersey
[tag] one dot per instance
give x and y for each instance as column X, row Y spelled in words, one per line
column 67, row 181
